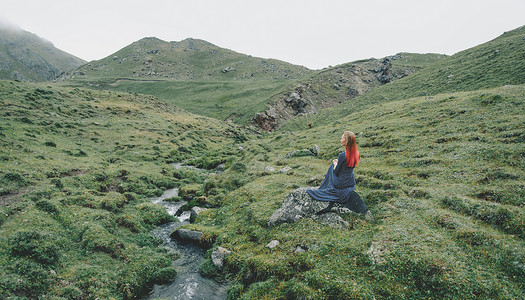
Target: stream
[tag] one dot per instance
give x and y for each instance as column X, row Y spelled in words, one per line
column 188, row 284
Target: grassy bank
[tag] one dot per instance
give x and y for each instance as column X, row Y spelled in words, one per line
column 77, row 168
column 443, row 176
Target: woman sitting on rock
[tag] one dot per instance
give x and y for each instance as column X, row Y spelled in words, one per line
column 338, row 185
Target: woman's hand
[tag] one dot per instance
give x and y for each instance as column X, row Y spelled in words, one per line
column 334, row 162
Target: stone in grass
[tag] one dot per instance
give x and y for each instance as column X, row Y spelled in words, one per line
column 299, row 205
column 284, row 170
column 272, row 244
column 298, row 153
column 195, row 211
column 269, row 170
column 218, row 255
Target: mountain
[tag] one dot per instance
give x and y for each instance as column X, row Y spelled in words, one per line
column 190, row 59
column 498, row 62
column 25, row 56
column 208, row 80
column 442, row 171
column 338, row 84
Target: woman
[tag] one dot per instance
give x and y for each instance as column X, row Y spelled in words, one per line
column 338, row 185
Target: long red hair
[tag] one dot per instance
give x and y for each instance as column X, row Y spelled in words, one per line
column 351, row 153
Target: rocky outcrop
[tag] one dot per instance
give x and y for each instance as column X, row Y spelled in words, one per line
column 299, row 205
column 330, row 87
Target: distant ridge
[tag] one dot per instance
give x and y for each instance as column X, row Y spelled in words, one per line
column 495, row 63
column 189, row 59
column 25, row 56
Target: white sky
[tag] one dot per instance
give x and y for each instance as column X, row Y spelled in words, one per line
column 311, row 33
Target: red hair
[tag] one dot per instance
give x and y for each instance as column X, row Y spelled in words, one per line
column 351, row 153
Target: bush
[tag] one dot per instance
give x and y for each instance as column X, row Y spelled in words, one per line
column 15, row 178
column 113, row 201
column 97, row 238
column 238, row 167
column 25, row 277
column 130, row 222
column 164, row 275
column 154, row 214
column 33, row 245
column 189, row 192
column 50, row 144
column 46, row 206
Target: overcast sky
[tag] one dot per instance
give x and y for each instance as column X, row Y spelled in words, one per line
column 315, row 34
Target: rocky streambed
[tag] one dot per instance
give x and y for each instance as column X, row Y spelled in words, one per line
column 189, row 284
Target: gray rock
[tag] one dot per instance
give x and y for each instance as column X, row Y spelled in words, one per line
column 186, row 235
column 316, row 150
column 269, row 170
column 228, row 69
column 284, row 170
column 299, row 249
column 298, row 153
column 220, row 168
column 218, row 255
column 195, row 211
column 272, row 244
column 299, row 205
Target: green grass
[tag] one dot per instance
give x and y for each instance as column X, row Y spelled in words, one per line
column 495, row 63
column 77, row 168
column 238, row 100
column 443, row 177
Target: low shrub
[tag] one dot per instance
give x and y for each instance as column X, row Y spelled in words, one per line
column 130, row 222
column 24, row 277
column 47, row 206
column 34, row 245
column 188, row 192
column 154, row 214
column 238, row 167
column 164, row 275
column 97, row 238
column 113, row 201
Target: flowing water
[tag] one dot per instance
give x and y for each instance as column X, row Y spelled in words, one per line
column 188, row 284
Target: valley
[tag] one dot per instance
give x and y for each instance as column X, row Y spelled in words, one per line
column 441, row 141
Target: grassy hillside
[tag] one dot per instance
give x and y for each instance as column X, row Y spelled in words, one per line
column 492, row 64
column 444, row 177
column 192, row 74
column 228, row 95
column 25, row 56
column 331, row 86
column 76, row 170
column 237, row 100
column 190, row 59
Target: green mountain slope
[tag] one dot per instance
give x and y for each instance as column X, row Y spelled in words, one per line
column 190, row 59
column 492, row 64
column 192, row 74
column 25, row 56
column 208, row 80
column 335, row 85
column 76, row 170
column 443, row 176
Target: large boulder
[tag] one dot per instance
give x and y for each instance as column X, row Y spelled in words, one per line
column 299, row 205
